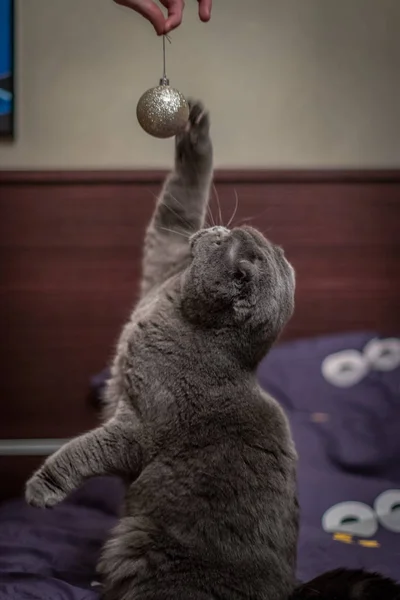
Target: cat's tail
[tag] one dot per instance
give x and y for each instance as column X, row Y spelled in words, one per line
column 346, row 584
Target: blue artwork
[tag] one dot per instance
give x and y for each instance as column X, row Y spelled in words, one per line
column 6, row 67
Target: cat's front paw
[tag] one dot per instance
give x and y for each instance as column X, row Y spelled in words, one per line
column 194, row 141
column 43, row 491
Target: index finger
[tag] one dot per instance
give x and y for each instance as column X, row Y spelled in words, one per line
column 149, row 10
column 175, row 12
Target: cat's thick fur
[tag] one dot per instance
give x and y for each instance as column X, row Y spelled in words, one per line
column 211, row 506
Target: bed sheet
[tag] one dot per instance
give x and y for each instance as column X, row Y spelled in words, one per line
column 51, row 554
column 342, row 397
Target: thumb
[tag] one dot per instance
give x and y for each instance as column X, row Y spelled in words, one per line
column 205, row 9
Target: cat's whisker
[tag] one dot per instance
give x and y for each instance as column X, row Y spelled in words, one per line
column 235, row 209
column 191, row 226
column 265, row 231
column 246, row 220
column 178, row 216
column 179, row 203
column 218, row 203
column 249, row 219
column 174, row 232
column 185, row 220
column 209, row 212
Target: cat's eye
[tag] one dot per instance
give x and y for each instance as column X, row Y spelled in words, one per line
column 217, row 242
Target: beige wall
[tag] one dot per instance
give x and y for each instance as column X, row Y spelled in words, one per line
column 290, row 83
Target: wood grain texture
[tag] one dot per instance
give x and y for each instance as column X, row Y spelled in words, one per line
column 70, row 248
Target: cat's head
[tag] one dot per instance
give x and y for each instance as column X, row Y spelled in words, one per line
column 238, row 279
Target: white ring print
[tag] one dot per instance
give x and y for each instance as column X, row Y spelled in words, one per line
column 349, row 367
column 361, row 520
column 355, row 518
column 387, row 508
column 344, row 369
column 383, row 355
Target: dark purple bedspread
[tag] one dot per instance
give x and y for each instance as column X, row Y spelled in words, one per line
column 342, row 396
column 51, row 554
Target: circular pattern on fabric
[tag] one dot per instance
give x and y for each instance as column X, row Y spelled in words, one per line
column 355, row 518
column 383, row 355
column 345, row 369
column 387, row 508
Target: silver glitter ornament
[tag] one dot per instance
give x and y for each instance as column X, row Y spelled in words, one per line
column 162, row 111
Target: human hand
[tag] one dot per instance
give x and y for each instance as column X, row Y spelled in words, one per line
column 151, row 11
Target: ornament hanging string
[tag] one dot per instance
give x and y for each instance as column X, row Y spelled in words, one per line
column 164, row 79
column 163, row 111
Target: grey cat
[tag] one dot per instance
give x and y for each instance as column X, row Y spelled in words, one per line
column 211, row 507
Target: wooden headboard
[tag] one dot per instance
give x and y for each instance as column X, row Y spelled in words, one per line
column 70, row 245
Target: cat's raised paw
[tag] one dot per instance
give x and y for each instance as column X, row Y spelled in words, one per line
column 198, row 115
column 42, row 491
column 195, row 137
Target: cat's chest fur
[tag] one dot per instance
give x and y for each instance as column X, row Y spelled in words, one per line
column 185, row 386
column 160, row 352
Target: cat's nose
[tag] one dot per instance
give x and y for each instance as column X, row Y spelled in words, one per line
column 217, row 232
column 219, row 229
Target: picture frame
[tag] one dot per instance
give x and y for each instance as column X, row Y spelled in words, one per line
column 7, row 75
